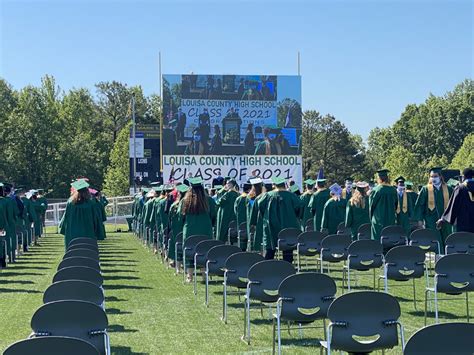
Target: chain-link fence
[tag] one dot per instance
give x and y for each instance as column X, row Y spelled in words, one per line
column 118, row 210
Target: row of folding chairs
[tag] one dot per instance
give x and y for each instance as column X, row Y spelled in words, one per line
column 72, row 319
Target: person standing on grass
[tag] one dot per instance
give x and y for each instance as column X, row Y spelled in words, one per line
column 197, row 211
column 334, row 211
column 80, row 219
column 383, row 200
column 225, row 209
column 176, row 224
column 357, row 209
column 100, row 211
column 305, row 212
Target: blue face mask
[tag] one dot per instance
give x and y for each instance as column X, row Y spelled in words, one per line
column 436, row 180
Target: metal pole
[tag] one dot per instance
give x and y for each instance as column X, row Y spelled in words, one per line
column 134, row 145
column 161, row 116
column 299, row 64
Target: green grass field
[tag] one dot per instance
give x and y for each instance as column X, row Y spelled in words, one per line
column 151, row 312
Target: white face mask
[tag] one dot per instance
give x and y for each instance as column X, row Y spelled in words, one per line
column 401, row 188
column 436, row 180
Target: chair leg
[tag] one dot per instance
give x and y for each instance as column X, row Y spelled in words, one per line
column 207, row 286
column 279, row 333
column 273, row 336
column 436, row 304
column 195, row 276
column 467, row 306
column 426, row 304
column 224, row 300
column 374, row 278
column 414, row 294
column 348, row 279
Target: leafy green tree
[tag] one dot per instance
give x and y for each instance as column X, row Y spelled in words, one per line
column 402, row 162
column 117, row 176
column 464, row 158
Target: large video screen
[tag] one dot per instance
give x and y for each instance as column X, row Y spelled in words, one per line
column 230, row 117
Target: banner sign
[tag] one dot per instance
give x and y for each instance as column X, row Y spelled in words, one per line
column 241, row 168
column 148, row 158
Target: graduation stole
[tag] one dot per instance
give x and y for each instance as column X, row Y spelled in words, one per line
column 404, row 203
column 431, row 198
column 344, row 193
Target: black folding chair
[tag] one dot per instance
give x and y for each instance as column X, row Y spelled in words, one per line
column 215, row 262
column 51, row 345
column 334, row 249
column 200, row 256
column 83, row 246
column 235, row 273
column 404, row 263
column 79, row 261
column 364, row 231
column 86, row 253
column 77, row 319
column 447, row 338
column 363, row 255
column 362, row 322
column 454, row 275
column 426, row 239
column 83, row 273
column 460, row 242
column 178, row 251
column 264, row 278
column 189, row 249
column 77, row 290
column 83, row 240
column 392, row 236
column 309, row 244
column 232, row 233
column 287, row 240
column 342, row 229
column 304, row 298
column 309, row 225
column 242, row 236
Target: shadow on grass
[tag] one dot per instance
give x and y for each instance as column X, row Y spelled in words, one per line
column 114, row 299
column 113, row 271
column 116, row 311
column 118, row 277
column 124, row 350
column 17, row 290
column 107, row 261
column 126, row 287
column 19, row 266
column 20, row 282
column 13, row 273
column 431, row 314
column 117, row 328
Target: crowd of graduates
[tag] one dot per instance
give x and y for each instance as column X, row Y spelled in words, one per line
column 265, row 208
column 22, row 218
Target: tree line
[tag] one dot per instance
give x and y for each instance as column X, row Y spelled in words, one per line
column 49, row 137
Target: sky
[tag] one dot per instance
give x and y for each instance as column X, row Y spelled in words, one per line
column 361, row 61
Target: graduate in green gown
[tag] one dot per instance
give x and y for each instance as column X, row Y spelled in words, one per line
column 283, row 209
column 37, row 223
column 334, row 211
column 431, row 203
column 149, row 212
column 225, row 209
column 176, row 223
column 80, row 219
column 197, row 211
column 240, row 210
column 100, row 211
column 383, row 202
column 43, row 202
column 357, row 209
column 346, row 193
column 405, row 206
column 256, row 204
column 3, row 226
column 29, row 216
column 12, row 212
column 163, row 212
column 317, row 202
column 305, row 211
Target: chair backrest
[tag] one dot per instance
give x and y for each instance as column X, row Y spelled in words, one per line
column 392, row 236
column 334, row 247
column 83, row 246
column 74, row 290
column 444, row 338
column 179, row 237
column 309, row 225
column 79, row 261
column 365, row 254
column 243, row 230
column 217, row 256
column 52, row 345
column 238, row 265
column 426, row 239
column 364, row 231
column 189, row 245
column 364, row 321
column 288, row 238
column 309, row 243
column 405, row 262
column 266, row 276
column 87, row 253
column 460, row 242
column 306, row 296
column 83, row 240
column 232, row 231
column 79, row 273
column 202, row 248
column 77, row 319
column 455, row 273
column 342, row 229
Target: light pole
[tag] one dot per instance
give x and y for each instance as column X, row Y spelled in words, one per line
column 134, row 145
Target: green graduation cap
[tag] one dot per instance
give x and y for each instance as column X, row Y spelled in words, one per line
column 409, row 184
column 436, row 169
column 278, row 180
column 158, row 188
column 294, row 188
column 80, row 184
column 320, row 180
column 310, row 182
column 383, row 172
column 145, row 190
column 218, row 187
column 453, row 182
column 1, row 184
column 182, row 188
column 195, row 181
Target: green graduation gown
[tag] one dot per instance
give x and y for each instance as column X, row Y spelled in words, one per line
column 357, row 216
column 198, row 224
column 256, row 208
column 162, row 217
column 403, row 218
column 29, row 218
column 382, row 204
column 282, row 212
column 334, row 212
column 79, row 220
column 100, row 212
column 225, row 213
column 3, row 222
column 423, row 213
column 240, row 209
column 305, row 211
column 317, row 202
column 12, row 216
column 176, row 226
column 38, row 212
